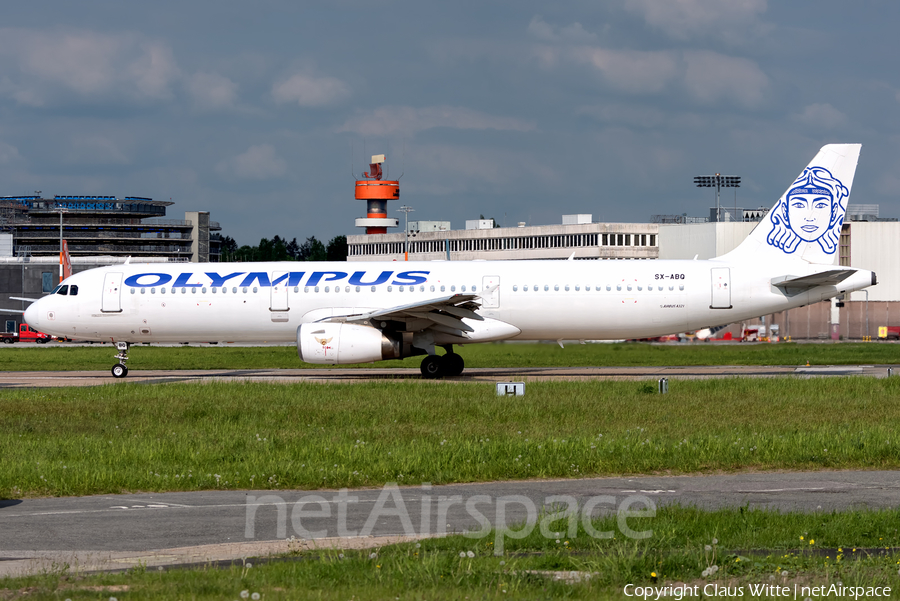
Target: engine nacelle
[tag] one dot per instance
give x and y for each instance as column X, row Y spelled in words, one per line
column 336, row 343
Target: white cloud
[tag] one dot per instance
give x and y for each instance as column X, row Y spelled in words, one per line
column 712, row 77
column 682, row 19
column 8, row 153
column 257, row 162
column 546, row 32
column 631, row 70
column 408, row 120
column 211, row 90
column 310, row 91
column 37, row 67
column 821, row 115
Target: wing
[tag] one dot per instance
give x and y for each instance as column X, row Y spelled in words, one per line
column 444, row 314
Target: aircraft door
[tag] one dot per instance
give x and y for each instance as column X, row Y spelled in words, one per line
column 491, row 300
column 111, row 301
column 279, row 303
column 721, row 288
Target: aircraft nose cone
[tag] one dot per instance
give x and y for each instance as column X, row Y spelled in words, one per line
column 31, row 316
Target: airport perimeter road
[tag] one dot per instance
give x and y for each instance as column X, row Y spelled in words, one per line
column 117, row 531
column 49, row 379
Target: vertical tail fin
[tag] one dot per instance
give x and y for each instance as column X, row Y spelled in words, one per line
column 806, row 221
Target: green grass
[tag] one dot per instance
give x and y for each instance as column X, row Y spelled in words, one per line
column 748, row 547
column 132, row 437
column 100, row 357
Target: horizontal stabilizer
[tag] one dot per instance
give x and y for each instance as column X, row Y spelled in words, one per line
column 804, row 283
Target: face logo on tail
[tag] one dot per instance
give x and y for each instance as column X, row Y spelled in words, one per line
column 811, row 211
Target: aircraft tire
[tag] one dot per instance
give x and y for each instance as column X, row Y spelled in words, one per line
column 432, row 367
column 119, row 370
column 453, row 364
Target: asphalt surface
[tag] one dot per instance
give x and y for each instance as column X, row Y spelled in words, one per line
column 115, row 531
column 49, row 379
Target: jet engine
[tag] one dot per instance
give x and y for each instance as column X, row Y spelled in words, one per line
column 335, row 343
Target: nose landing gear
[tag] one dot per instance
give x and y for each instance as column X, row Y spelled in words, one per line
column 120, row 370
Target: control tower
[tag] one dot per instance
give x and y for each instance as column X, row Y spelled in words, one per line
column 376, row 192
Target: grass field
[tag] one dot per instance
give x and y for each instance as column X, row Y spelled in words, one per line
column 100, row 357
column 132, row 437
column 738, row 549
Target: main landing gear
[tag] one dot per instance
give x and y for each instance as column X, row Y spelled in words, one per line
column 439, row 366
column 120, row 370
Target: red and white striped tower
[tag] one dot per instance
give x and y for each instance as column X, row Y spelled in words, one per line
column 376, row 192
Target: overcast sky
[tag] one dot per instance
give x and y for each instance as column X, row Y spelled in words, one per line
column 517, row 110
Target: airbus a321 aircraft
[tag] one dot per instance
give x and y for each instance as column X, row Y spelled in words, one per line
column 341, row 313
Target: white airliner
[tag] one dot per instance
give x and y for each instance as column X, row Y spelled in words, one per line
column 342, row 313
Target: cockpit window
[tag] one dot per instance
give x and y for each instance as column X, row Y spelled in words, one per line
column 55, row 290
column 63, row 290
column 73, row 290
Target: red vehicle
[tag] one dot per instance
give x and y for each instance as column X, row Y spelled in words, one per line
column 25, row 334
column 889, row 332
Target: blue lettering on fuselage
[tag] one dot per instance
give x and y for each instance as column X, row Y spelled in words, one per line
column 161, row 279
column 317, row 276
column 357, row 278
column 217, row 280
column 261, row 276
column 291, row 278
column 410, row 277
column 182, row 281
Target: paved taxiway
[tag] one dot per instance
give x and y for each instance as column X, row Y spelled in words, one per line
column 117, row 531
column 48, row 379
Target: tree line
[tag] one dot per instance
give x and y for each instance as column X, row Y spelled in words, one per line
column 279, row 249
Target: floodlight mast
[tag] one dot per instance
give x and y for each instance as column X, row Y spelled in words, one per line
column 405, row 209
column 717, row 181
